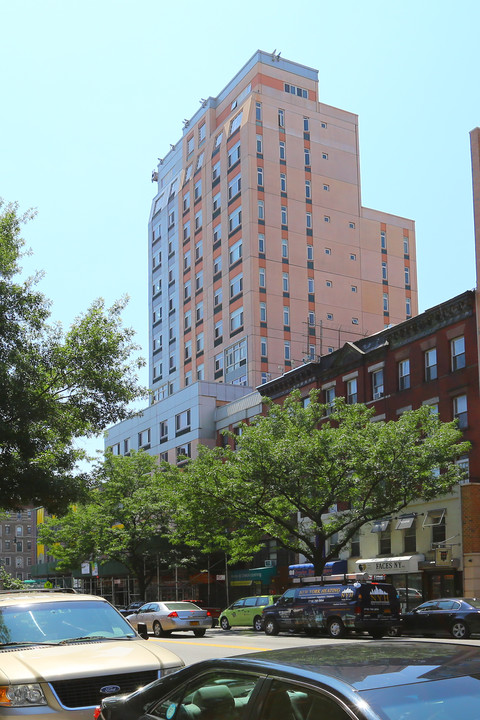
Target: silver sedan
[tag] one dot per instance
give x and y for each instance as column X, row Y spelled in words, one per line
column 163, row 618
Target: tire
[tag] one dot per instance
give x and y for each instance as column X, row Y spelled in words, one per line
column 257, row 623
column 459, row 630
column 377, row 634
column 271, row 627
column 158, row 631
column 200, row 632
column 336, row 628
column 224, row 624
column 394, row 632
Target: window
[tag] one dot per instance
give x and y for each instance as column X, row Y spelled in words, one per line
column 197, row 190
column 198, row 250
column 199, row 162
column 199, row 281
column 285, row 282
column 311, row 285
column 202, row 131
column 281, row 118
column 186, row 260
column 200, row 343
column 182, row 453
column 284, row 248
column 235, row 123
column 282, row 150
column 198, row 220
column 385, row 302
column 261, row 243
column 157, row 342
column 236, row 320
column 157, row 287
column 258, row 112
column 439, row 531
column 431, row 364
column 353, row 288
column 328, row 283
column 260, row 176
column 385, row 542
column 188, row 173
column 458, row 353
column 216, row 171
column 216, row 202
column 190, row 144
column 407, row 275
column 383, row 240
column 460, row 410
column 326, row 187
column 235, row 219
column 352, row 391
column 351, row 225
column 186, row 231
column 410, row 537
column 263, row 347
column 329, row 316
column 384, row 271
column 286, row 315
column 263, row 312
column 326, row 218
column 233, row 155
column 163, row 431
column 308, row 189
column 308, row 220
column 144, row 438
column 187, row 290
column 405, row 245
column 188, row 350
column 187, row 321
column 324, row 156
column 186, row 201
column 259, row 144
column 353, row 256
column 310, row 253
column 236, row 285
column 286, row 350
column 218, row 330
column 218, row 362
column 306, row 156
column 218, row 139
column 217, row 297
column 283, row 183
column 329, row 400
column 404, row 374
column 261, row 210
column 377, row 384
column 199, row 312
column 182, row 422
column 234, row 186
column 217, row 233
column 235, row 253
column 408, row 307
column 306, row 124
column 261, row 278
column 284, row 215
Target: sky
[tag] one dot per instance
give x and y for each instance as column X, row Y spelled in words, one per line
column 93, row 92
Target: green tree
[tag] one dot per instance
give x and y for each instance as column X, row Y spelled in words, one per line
column 125, row 519
column 8, row 582
column 55, row 387
column 292, row 466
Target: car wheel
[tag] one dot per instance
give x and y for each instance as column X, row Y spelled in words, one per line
column 224, row 624
column 394, row 632
column 199, row 633
column 336, row 628
column 271, row 627
column 158, row 631
column 257, row 623
column 459, row 630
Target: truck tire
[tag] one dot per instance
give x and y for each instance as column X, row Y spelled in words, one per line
column 336, row 628
column 271, row 627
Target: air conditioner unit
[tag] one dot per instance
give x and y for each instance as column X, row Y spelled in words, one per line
column 377, row 395
column 268, row 563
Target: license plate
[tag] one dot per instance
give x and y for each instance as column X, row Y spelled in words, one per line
column 194, row 622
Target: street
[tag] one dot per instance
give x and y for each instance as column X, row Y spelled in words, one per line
column 221, row 643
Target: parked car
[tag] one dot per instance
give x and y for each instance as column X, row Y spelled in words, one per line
column 246, row 611
column 335, row 608
column 388, row 680
column 61, row 652
column 163, row 618
column 458, row 617
column 214, row 611
column 414, row 596
column 131, row 608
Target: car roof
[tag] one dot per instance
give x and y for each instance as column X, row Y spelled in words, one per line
column 348, row 668
column 39, row 596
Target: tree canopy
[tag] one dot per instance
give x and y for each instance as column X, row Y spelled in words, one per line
column 293, row 466
column 55, row 386
column 125, row 518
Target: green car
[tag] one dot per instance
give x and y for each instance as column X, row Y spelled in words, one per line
column 246, row 611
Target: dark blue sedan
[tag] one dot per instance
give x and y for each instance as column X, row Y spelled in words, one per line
column 388, row 680
column 459, row 617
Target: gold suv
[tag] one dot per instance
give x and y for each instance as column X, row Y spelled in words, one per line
column 62, row 652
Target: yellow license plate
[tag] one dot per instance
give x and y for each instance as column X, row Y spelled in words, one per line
column 194, row 622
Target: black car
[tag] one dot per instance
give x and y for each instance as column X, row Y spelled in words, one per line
column 458, row 617
column 368, row 681
column 131, row 608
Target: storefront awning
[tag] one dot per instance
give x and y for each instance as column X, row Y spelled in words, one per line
column 390, row 565
column 246, row 577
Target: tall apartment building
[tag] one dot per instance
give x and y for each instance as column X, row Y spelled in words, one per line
column 261, row 255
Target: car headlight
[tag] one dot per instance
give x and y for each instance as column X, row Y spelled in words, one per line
column 21, row 695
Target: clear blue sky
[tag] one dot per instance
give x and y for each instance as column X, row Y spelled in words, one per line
column 94, row 91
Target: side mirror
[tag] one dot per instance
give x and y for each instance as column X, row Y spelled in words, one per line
column 142, row 630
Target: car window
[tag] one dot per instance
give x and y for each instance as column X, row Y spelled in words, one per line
column 426, row 607
column 214, row 695
column 263, row 600
column 238, row 604
column 181, row 606
column 289, row 701
column 250, row 602
column 448, row 605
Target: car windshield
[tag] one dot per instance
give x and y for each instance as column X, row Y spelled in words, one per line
column 474, row 602
column 435, row 699
column 53, row 622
